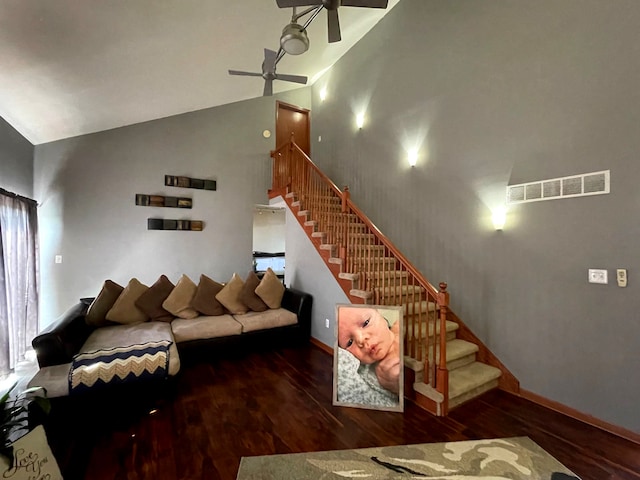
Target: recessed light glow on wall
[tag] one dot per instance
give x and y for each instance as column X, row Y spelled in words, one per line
column 360, row 120
column 499, row 217
column 413, row 157
column 323, row 94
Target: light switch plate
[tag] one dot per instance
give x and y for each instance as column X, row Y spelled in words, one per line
column 598, row 276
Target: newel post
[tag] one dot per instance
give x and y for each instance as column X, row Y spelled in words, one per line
column 442, row 379
column 343, row 225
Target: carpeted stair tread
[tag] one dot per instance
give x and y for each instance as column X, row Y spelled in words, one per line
column 470, row 379
column 364, row 294
column 458, row 349
column 449, row 327
column 398, row 290
column 413, row 308
column 349, row 276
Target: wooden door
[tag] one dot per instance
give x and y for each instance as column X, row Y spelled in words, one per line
column 293, row 120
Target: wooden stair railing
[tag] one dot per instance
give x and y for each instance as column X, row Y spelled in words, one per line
column 369, row 259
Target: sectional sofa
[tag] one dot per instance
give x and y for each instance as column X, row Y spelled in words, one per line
column 128, row 335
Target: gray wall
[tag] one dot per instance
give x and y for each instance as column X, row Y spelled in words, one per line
column 16, row 161
column 307, row 271
column 87, row 188
column 498, row 93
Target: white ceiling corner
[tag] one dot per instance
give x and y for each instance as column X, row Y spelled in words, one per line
column 72, row 67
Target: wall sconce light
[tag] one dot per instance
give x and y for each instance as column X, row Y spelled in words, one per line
column 323, row 94
column 499, row 217
column 360, row 120
column 413, row 157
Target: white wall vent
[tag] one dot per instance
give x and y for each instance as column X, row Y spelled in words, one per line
column 595, row 183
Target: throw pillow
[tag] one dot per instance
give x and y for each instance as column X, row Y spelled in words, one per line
column 179, row 300
column 150, row 302
column 229, row 296
column 248, row 294
column 204, row 301
column 124, row 310
column 102, row 304
column 270, row 289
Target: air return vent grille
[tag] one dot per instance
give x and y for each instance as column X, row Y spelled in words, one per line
column 596, row 183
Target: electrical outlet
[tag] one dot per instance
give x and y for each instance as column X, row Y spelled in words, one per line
column 58, row 259
column 597, row 276
column 326, row 322
column 621, row 276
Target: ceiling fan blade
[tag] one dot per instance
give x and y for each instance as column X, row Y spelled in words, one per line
column 333, row 26
column 365, row 3
column 246, row 74
column 292, row 78
column 270, row 57
column 268, row 87
column 297, row 3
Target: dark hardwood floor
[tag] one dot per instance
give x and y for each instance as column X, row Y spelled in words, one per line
column 281, row 402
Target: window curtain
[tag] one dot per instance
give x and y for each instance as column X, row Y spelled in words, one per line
column 18, row 278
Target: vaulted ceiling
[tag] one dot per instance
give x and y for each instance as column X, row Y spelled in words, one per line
column 72, row 67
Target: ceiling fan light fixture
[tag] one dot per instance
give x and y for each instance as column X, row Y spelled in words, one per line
column 294, row 39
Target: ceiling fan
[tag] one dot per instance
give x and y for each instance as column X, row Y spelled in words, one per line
column 269, row 72
column 333, row 22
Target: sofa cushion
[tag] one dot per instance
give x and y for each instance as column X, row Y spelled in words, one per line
column 248, row 294
column 277, row 317
column 150, row 302
column 179, row 300
column 229, row 296
column 96, row 315
column 205, row 327
column 124, row 309
column 270, row 289
column 204, row 301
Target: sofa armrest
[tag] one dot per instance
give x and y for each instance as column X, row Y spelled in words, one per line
column 60, row 341
column 299, row 303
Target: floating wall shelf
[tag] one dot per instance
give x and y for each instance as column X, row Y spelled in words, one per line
column 165, row 224
column 162, row 201
column 187, row 182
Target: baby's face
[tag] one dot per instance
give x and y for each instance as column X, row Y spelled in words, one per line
column 365, row 333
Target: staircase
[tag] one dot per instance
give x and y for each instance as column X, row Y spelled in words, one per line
column 445, row 364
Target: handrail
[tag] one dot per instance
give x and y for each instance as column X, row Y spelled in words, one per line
column 384, row 275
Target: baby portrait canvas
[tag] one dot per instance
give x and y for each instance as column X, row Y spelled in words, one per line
column 368, row 362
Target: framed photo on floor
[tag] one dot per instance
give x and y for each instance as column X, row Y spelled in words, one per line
column 368, row 365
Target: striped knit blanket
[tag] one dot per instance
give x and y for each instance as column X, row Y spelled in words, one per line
column 92, row 370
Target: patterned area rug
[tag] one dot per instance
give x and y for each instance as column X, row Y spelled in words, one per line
column 503, row 458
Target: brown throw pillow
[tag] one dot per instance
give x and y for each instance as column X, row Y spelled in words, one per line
column 270, row 289
column 124, row 310
column 179, row 300
column 248, row 294
column 229, row 296
column 204, row 300
column 150, row 302
column 102, row 304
